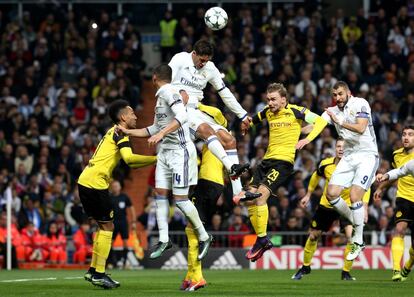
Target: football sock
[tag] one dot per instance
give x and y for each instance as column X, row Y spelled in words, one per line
column 347, row 264
column 192, row 252
column 309, row 250
column 196, row 273
column 217, row 149
column 358, row 215
column 191, row 213
column 397, row 250
column 262, row 218
column 235, row 184
column 410, row 262
column 342, row 208
column 94, row 252
column 163, row 208
column 252, row 211
column 103, row 246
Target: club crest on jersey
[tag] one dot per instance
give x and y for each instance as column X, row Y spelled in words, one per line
column 398, row 214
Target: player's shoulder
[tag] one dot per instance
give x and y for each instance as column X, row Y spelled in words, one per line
column 327, row 161
column 357, row 101
column 297, row 110
column 398, row 152
column 181, row 55
column 210, row 67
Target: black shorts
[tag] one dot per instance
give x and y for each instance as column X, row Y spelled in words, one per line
column 96, row 203
column 324, row 218
column 272, row 174
column 205, row 197
column 121, row 228
column 404, row 210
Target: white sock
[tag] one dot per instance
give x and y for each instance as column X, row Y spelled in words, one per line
column 217, row 149
column 235, row 184
column 342, row 208
column 191, row 214
column 358, row 214
column 162, row 211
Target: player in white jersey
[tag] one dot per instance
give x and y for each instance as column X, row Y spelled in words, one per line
column 352, row 119
column 176, row 160
column 191, row 73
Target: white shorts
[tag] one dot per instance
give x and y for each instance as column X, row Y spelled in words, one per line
column 355, row 169
column 177, row 169
column 196, row 117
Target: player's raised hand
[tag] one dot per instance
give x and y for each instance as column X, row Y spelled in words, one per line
column 382, row 177
column 301, row 144
column 304, row 202
column 245, row 125
column 154, row 139
column 378, row 194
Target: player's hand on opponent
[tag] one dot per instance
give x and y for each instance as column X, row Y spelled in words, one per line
column 304, row 202
column 378, row 194
column 119, row 130
column 334, row 117
column 245, row 125
column 382, row 177
column 154, row 139
column 301, row 144
column 185, row 96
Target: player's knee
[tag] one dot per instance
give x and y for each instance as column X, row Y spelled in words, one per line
column 205, row 131
column 333, row 192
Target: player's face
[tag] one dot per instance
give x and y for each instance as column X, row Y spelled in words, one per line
column 341, row 96
column 408, row 139
column 130, row 118
column 200, row 61
column 275, row 101
column 339, row 148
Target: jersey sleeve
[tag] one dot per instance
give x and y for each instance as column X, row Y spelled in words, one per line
column 175, row 101
column 363, row 110
column 215, row 78
column 154, row 128
column 406, row 169
column 260, row 116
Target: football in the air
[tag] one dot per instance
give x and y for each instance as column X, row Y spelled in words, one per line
column 216, row 18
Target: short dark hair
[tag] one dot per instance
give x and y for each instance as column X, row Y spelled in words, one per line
column 408, row 127
column 340, row 139
column 163, row 72
column 115, row 108
column 203, row 48
column 339, row 84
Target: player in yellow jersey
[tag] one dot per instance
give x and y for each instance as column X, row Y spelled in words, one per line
column 325, row 215
column 404, row 212
column 285, row 122
column 93, row 184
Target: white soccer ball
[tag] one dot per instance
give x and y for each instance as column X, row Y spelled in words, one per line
column 216, row 18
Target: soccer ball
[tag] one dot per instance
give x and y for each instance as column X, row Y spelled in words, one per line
column 216, row 18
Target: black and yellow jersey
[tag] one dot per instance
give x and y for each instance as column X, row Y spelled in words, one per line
column 97, row 174
column 325, row 169
column 211, row 168
column 405, row 184
column 214, row 113
column 284, row 130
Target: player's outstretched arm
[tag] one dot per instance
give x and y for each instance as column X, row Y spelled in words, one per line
column 318, row 125
column 131, row 159
column 143, row 132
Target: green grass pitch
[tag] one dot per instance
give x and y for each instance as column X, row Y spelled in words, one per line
column 152, row 283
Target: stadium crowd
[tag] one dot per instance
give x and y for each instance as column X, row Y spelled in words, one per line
column 57, row 75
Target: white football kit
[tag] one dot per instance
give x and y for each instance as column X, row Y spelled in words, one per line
column 360, row 160
column 177, row 157
column 185, row 76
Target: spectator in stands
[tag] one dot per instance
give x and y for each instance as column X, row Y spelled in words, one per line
column 237, row 226
column 56, row 245
column 82, row 240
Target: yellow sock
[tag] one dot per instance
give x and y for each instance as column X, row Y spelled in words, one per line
column 103, row 247
column 262, row 218
column 191, row 257
column 347, row 264
column 93, row 260
column 410, row 262
column 397, row 249
column 252, row 210
column 309, row 250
